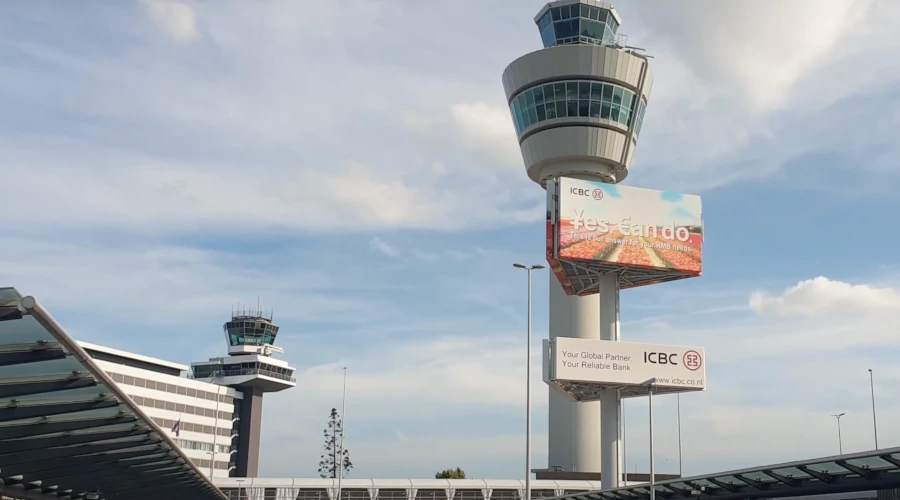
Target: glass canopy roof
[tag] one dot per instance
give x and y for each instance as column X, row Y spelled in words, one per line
column 66, row 430
column 873, row 470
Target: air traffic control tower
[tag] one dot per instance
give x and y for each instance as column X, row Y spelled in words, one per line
column 577, row 105
column 251, row 369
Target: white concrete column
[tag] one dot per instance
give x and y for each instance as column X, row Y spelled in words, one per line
column 610, row 411
column 574, row 428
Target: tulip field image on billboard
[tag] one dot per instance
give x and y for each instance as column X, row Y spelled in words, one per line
column 625, row 227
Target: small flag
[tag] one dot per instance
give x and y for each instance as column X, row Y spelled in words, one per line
column 177, row 427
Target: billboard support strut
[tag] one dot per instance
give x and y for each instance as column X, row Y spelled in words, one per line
column 610, row 402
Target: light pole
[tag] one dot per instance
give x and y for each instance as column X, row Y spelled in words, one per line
column 874, row 417
column 840, row 441
column 340, row 464
column 680, row 466
column 528, row 385
column 216, row 375
column 649, row 384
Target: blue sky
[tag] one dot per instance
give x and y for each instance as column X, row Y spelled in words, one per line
column 353, row 165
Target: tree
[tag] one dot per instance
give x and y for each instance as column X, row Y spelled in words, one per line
column 334, row 439
column 456, row 473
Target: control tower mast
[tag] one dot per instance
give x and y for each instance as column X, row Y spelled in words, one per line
column 251, row 369
column 577, row 106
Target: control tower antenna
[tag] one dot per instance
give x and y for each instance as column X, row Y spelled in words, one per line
column 577, row 106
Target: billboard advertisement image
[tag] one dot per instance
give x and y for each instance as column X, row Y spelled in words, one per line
column 615, row 364
column 626, row 226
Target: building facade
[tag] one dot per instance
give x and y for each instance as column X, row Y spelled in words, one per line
column 207, row 414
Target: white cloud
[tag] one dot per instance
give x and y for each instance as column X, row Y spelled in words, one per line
column 820, row 297
column 488, row 128
column 178, row 19
column 376, row 244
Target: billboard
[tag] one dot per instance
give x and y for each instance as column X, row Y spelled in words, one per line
column 624, row 227
column 609, row 363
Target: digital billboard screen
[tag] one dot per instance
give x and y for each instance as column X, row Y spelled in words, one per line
column 624, row 227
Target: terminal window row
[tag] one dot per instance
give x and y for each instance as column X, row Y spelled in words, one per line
column 186, row 444
column 203, row 464
column 170, row 388
column 382, row 494
column 180, row 408
column 570, row 99
column 167, row 423
column 578, row 23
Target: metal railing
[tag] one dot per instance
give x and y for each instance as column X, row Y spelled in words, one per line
column 248, row 371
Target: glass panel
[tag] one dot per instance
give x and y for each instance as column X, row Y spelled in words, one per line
column 585, row 11
column 627, row 97
column 559, row 91
column 594, row 13
column 584, row 90
column 617, row 95
column 792, row 472
column 584, row 108
column 607, row 93
column 614, row 115
column 532, row 116
column 605, row 111
column 551, row 111
column 541, row 113
column 871, row 462
column 555, row 14
column 45, row 368
column 23, row 331
column 560, row 109
column 548, row 93
column 572, row 91
column 829, row 467
column 564, row 12
column 572, row 108
column 592, row 29
column 538, row 95
column 603, row 15
column 596, row 90
column 529, row 99
column 595, row 109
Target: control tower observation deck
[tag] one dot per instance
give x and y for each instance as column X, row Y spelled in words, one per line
column 251, row 369
column 577, row 106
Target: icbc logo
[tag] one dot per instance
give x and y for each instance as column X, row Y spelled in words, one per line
column 579, row 192
column 692, row 360
column 597, row 194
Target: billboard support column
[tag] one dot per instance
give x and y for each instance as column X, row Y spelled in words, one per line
column 610, row 402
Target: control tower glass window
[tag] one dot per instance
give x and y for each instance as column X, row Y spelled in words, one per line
column 573, row 99
column 577, row 23
column 252, row 332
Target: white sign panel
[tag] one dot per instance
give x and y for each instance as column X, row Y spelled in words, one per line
column 625, row 363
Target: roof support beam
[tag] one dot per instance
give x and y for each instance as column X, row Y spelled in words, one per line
column 18, row 389
column 74, row 451
column 25, row 357
column 821, row 476
column 22, row 412
column 85, row 468
column 51, row 426
column 860, row 471
column 787, row 481
column 45, row 443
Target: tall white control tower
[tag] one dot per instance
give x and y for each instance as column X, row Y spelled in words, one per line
column 577, row 105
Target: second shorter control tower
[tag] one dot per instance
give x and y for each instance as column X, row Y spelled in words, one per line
column 251, row 369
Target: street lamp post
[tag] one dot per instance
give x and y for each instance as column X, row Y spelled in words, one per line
column 680, row 465
column 840, row 441
column 528, row 385
column 340, row 464
column 874, row 417
column 649, row 384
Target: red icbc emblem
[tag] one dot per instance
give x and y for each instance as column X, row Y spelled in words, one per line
column 597, row 194
column 692, row 360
